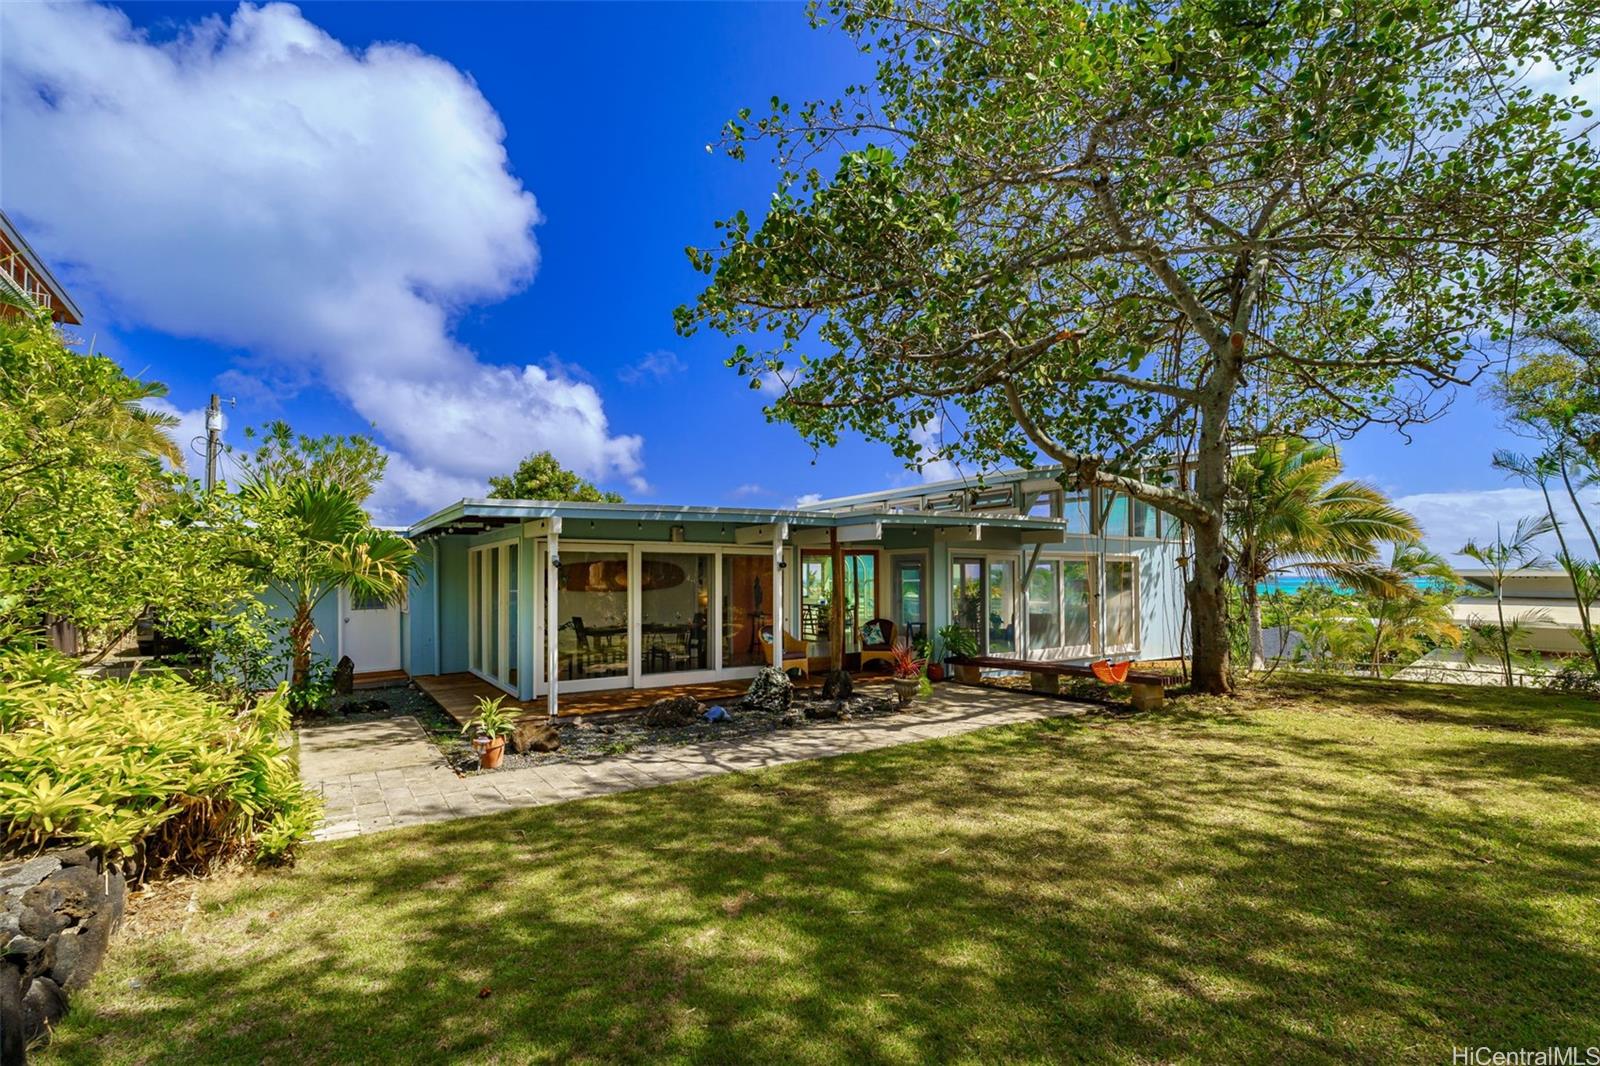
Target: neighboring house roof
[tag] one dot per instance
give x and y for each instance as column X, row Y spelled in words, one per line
column 63, row 306
column 485, row 514
column 1542, row 582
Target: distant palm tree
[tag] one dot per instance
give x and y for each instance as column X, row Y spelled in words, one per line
column 1287, row 513
column 1582, row 574
column 310, row 538
column 1406, row 614
column 1501, row 556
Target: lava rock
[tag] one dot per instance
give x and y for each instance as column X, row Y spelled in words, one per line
column 674, row 711
column 29, row 955
column 15, row 878
column 534, row 736
column 791, row 719
column 770, row 690
column 827, row 710
column 344, row 676
column 74, row 893
column 43, row 1005
column 373, row 706
column 837, row 685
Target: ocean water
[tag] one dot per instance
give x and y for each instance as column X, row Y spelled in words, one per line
column 1289, row 584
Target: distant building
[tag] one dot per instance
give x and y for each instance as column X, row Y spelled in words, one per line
column 1541, row 600
column 24, row 276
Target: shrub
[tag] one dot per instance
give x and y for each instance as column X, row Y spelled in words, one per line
column 150, row 768
column 1576, row 677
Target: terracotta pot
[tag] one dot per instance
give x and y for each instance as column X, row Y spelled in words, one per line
column 490, row 751
column 935, row 672
column 906, row 689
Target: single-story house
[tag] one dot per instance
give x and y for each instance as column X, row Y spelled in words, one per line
column 546, row 599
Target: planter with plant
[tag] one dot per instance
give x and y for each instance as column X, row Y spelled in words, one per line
column 959, row 643
column 907, row 667
column 932, row 669
column 489, row 730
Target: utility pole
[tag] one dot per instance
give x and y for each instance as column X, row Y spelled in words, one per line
column 213, row 440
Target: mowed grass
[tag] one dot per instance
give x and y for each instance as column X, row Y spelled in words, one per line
column 1319, row 871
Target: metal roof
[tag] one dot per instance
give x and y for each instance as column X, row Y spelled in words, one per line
column 504, row 512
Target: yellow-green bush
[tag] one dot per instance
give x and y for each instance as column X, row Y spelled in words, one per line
column 151, row 768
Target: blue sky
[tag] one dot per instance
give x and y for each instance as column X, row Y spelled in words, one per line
column 350, row 253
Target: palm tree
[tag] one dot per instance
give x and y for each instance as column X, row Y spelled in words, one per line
column 1287, row 513
column 310, row 537
column 1501, row 556
column 1407, row 612
column 1538, row 470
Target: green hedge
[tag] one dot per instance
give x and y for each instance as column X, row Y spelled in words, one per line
column 150, row 768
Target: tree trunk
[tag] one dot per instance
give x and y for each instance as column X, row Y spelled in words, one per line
column 1208, row 607
column 301, row 632
column 1570, row 565
column 1505, row 635
column 1258, row 643
column 1207, row 588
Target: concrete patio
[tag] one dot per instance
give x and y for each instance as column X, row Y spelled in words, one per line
column 382, row 775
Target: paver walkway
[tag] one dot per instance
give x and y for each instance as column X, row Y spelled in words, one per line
column 381, row 775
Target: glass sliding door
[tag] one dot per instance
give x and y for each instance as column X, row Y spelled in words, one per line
column 491, row 613
column 674, row 611
column 1077, row 606
column 816, row 597
column 1002, row 613
column 747, row 609
column 592, row 647
column 1122, row 604
column 966, row 597
column 1044, row 606
column 910, row 596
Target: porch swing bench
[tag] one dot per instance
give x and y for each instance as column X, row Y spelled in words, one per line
column 1148, row 690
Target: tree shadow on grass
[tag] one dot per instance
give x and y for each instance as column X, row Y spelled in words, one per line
column 1128, row 891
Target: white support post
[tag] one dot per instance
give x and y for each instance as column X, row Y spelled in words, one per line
column 552, row 617
column 779, row 533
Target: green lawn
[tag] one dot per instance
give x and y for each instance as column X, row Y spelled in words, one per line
column 1316, row 872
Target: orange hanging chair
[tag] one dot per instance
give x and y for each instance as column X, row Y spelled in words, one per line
column 1109, row 672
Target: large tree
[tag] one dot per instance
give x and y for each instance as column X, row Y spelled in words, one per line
column 1137, row 234
column 540, row 476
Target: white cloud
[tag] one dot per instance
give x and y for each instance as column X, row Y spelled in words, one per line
column 807, row 499
column 256, row 184
column 190, row 433
column 1450, row 519
column 656, row 366
column 749, row 488
column 935, row 467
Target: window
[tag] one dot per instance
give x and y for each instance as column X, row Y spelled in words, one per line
column 1076, row 510
column 1122, row 618
column 993, row 499
column 592, row 601
column 674, row 603
column 362, row 601
column 1045, row 505
column 1044, row 606
column 1144, row 519
column 966, row 596
column 1002, row 607
column 816, row 596
column 1114, row 514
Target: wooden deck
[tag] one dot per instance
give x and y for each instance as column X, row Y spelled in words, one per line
column 458, row 694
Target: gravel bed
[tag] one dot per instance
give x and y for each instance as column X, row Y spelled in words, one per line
column 591, row 737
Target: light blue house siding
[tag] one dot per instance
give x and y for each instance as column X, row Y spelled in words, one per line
column 325, row 645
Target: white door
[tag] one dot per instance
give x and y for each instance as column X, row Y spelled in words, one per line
column 370, row 633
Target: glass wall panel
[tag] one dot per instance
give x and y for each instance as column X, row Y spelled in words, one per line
column 592, row 601
column 1122, row 623
column 1144, row 519
column 1002, row 607
column 1046, row 504
column 816, row 596
column 909, row 599
column 1076, row 600
column 511, row 613
column 1114, row 514
column 491, row 613
column 674, row 605
column 966, row 596
column 746, row 608
column 1044, row 606
column 475, row 615
column 1076, row 510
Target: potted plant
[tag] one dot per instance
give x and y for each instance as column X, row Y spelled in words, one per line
column 907, row 668
column 960, row 644
column 489, row 731
column 931, row 668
